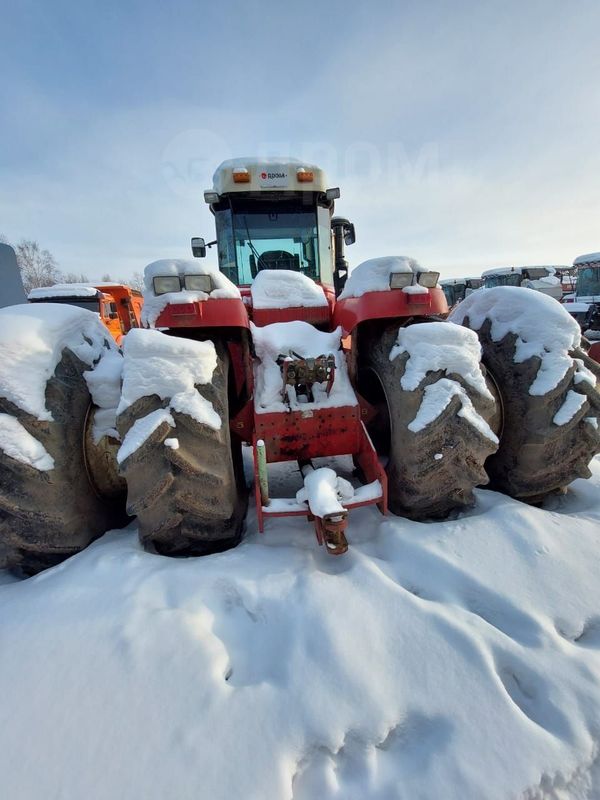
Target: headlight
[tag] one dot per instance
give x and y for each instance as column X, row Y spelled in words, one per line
column 428, row 279
column 398, row 280
column 166, row 283
column 198, row 283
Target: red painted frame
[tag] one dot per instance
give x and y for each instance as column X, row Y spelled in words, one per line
column 393, row 304
column 594, row 351
column 367, row 459
column 308, row 433
column 224, row 312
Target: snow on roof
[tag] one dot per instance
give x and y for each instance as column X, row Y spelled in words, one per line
column 455, row 660
column 64, row 290
column 32, row 338
column 508, row 270
column 589, row 258
column 283, row 288
column 451, row 281
column 542, row 326
column 283, row 338
column 374, row 275
column 155, row 304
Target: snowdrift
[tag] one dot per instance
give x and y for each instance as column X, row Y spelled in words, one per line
column 455, row 660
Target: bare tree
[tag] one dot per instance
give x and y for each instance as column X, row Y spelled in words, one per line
column 135, row 281
column 38, row 267
column 107, row 278
column 73, row 277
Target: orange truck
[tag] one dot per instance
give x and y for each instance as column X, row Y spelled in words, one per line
column 118, row 306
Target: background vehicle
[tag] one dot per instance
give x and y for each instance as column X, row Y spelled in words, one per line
column 584, row 304
column 456, row 289
column 119, row 306
column 542, row 279
column 12, row 286
column 282, row 350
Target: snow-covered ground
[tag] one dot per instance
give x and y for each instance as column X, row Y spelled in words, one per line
column 447, row 660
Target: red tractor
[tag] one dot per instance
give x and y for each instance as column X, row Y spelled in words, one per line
column 283, row 350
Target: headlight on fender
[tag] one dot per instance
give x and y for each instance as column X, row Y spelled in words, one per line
column 166, row 283
column 398, row 280
column 198, row 283
column 428, row 279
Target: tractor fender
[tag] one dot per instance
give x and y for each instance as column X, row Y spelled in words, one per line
column 594, row 351
column 224, row 312
column 393, row 304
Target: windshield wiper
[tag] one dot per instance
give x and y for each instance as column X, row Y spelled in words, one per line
column 255, row 252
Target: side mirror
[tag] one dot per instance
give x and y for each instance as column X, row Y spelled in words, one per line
column 343, row 228
column 198, row 247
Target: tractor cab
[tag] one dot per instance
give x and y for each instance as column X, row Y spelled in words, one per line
column 542, row 279
column 456, row 289
column 274, row 215
column 584, row 305
column 588, row 280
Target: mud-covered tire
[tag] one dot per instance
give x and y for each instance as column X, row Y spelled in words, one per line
column 537, row 456
column 191, row 500
column 48, row 515
column 434, row 470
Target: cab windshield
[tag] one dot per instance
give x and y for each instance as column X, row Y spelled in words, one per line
column 255, row 236
column 588, row 282
column 509, row 279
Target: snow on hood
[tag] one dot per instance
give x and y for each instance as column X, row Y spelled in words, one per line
column 284, row 288
column 452, row 660
column 32, row 338
column 154, row 305
column 576, row 307
column 374, row 275
column 281, row 338
column 542, row 326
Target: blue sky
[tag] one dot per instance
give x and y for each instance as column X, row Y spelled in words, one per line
column 464, row 134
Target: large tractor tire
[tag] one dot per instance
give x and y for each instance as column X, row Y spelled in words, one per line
column 185, row 481
column 436, row 423
column 548, row 435
column 59, row 487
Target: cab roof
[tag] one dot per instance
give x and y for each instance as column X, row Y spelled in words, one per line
column 508, row 270
column 273, row 174
column 588, row 258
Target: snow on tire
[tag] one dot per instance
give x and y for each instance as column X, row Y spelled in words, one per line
column 50, row 506
column 547, row 387
column 184, row 474
column 435, row 410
